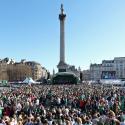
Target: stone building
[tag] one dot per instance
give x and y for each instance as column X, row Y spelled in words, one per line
column 73, row 69
column 108, row 69
column 95, row 71
column 18, row 71
column 3, row 71
column 86, row 75
column 119, row 66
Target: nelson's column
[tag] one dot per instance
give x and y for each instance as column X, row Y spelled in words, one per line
column 62, row 66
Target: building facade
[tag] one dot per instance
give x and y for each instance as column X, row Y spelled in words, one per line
column 119, row 66
column 18, row 71
column 95, row 71
column 86, row 75
column 108, row 69
column 73, row 69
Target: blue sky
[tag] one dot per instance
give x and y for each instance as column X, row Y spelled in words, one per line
column 95, row 30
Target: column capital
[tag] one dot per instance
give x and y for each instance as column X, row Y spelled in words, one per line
column 62, row 16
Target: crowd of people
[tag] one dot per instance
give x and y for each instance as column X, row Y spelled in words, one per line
column 62, row 105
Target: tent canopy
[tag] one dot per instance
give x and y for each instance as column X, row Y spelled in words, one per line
column 28, row 80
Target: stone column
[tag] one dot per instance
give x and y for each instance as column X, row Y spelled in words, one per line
column 62, row 66
column 62, row 35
